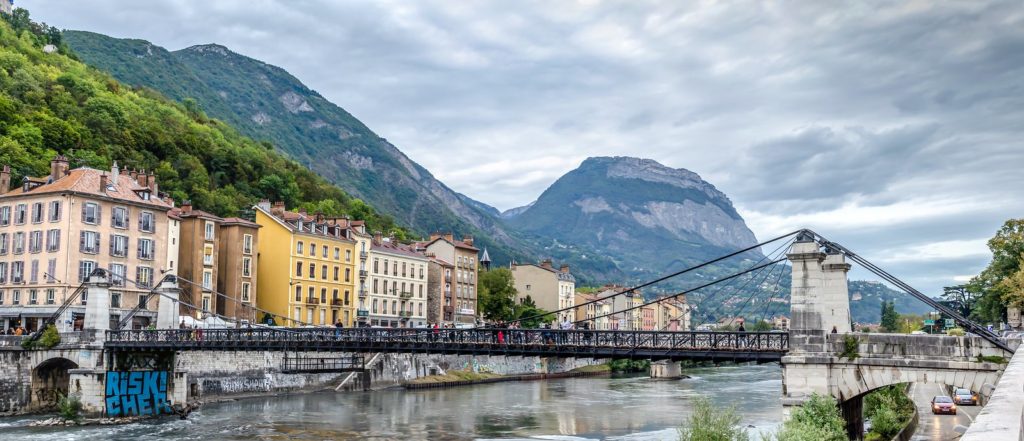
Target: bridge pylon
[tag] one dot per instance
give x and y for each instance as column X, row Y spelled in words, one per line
column 167, row 311
column 97, row 307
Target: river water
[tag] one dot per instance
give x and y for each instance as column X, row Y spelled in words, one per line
column 621, row 408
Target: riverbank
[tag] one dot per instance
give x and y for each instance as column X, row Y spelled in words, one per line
column 469, row 378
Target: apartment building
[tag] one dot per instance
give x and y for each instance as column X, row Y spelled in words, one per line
column 627, row 315
column 440, row 301
column 463, row 255
column 55, row 230
column 648, row 320
column 238, row 263
column 398, row 284
column 198, row 251
column 550, row 289
column 307, row 267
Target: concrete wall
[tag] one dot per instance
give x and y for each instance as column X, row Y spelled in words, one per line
column 23, row 390
column 1001, row 418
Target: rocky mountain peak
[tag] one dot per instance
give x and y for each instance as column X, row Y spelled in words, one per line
column 210, row 48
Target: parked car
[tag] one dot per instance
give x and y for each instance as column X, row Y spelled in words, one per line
column 965, row 396
column 943, row 404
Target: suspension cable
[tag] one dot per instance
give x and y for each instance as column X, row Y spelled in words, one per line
column 705, row 317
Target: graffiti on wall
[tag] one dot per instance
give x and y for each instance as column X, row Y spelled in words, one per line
column 130, row 393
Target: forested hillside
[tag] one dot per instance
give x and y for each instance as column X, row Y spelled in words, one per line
column 51, row 103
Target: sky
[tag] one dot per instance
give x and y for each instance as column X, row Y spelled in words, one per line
column 893, row 128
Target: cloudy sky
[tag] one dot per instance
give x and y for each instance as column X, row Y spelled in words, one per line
column 893, row 128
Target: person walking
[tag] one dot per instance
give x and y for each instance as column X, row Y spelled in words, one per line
column 834, row 330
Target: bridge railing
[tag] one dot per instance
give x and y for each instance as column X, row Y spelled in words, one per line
column 439, row 338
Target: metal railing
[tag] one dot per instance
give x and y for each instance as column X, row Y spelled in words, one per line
column 688, row 344
column 322, row 364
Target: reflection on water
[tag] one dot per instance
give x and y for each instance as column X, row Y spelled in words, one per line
column 629, row 408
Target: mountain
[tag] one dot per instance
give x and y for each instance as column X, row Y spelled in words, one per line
column 650, row 217
column 51, row 103
column 267, row 103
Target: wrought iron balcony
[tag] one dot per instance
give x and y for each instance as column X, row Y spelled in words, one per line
column 405, row 295
column 335, row 302
column 363, row 255
column 363, row 273
column 405, row 314
column 313, row 300
column 362, row 293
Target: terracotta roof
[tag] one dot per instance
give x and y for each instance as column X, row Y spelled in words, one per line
column 456, row 244
column 85, row 180
column 442, row 262
column 240, row 221
column 197, row 213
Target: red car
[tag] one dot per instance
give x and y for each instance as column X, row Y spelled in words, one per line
column 943, row 404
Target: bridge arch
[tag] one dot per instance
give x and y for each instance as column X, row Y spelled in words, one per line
column 852, row 382
column 50, row 379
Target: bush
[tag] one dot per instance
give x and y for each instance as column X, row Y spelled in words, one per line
column 708, row 423
column 992, row 359
column 629, row 365
column 889, row 410
column 69, row 407
column 851, row 348
column 47, row 340
column 817, row 420
column 957, row 332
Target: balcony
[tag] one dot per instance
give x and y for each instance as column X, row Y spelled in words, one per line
column 335, row 302
column 362, row 313
column 405, row 295
column 362, row 293
column 313, row 300
column 363, row 274
column 405, row 315
column 363, row 255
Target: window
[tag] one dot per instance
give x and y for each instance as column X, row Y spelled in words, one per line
column 144, row 277
column 376, row 269
column 33, row 297
column 246, row 267
column 385, row 267
column 35, row 241
column 347, row 293
column 54, row 211
column 19, row 242
column 3, row 243
column 312, row 249
column 245, row 292
column 336, row 274
column 207, row 254
column 53, row 240
column 375, row 287
column 323, row 272
column 5, row 216
column 348, row 274
column 323, row 295
column 394, row 307
column 37, row 213
column 403, row 269
column 16, row 297
column 3, row 273
column 115, row 299
column 298, row 269
column 85, row 268
column 33, row 273
column 89, row 242
column 298, row 293
column 117, row 274
column 298, row 247
column 312, row 271
column 421, row 272
column 374, row 306
column 147, row 222
column 207, row 279
column 91, row 213
column 334, row 295
column 1, row 297
column 145, row 251
column 325, row 251
column 337, row 254
column 312, row 292
column 119, row 246
column 20, row 214
column 208, row 230
column 206, row 303
column 119, row 217
column 247, row 244
column 348, row 255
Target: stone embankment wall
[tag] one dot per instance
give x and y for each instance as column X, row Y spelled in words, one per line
column 213, row 375
column 1003, row 417
column 15, row 381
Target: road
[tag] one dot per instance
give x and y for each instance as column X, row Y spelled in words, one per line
column 938, row 427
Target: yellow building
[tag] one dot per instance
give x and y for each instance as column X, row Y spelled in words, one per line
column 307, row 267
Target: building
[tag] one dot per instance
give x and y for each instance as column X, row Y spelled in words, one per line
column 398, row 285
column 56, row 230
column 307, row 267
column 440, row 301
column 7, row 6
column 550, row 289
column 238, row 265
column 780, row 322
column 198, row 250
column 626, row 307
column 364, row 242
column 673, row 315
column 463, row 256
column 648, row 320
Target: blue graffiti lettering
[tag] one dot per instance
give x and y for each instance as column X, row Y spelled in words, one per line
column 136, row 393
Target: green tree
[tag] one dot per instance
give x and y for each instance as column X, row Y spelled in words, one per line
column 1001, row 283
column 817, row 420
column 890, row 318
column 496, row 294
column 529, row 315
column 710, row 423
column 910, row 322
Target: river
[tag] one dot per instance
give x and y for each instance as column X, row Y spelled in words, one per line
column 630, row 408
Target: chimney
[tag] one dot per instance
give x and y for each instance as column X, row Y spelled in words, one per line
column 377, row 237
column 5, row 179
column 449, row 237
column 468, row 240
column 435, row 235
column 103, row 182
column 134, row 174
column 152, row 184
column 277, row 209
column 546, row 264
column 186, row 207
column 142, row 178
column 564, row 268
column 264, row 204
column 58, row 166
column 302, row 211
column 115, row 174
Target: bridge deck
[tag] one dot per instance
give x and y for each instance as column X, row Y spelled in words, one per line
column 713, row 346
